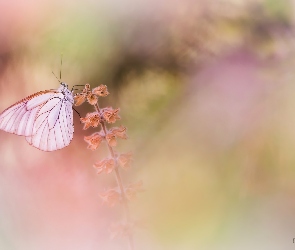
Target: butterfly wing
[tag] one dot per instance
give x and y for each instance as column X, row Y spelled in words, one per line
column 45, row 118
column 53, row 127
column 20, row 118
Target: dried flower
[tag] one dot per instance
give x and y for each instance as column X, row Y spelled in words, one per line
column 79, row 99
column 124, row 160
column 132, row 189
column 86, row 89
column 101, row 90
column 115, row 132
column 111, row 197
column 111, row 139
column 91, row 120
column 107, row 165
column 101, row 117
column 119, row 132
column 111, row 115
column 93, row 140
column 92, row 99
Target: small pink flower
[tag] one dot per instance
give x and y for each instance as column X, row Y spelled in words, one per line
column 107, row 165
column 101, row 90
column 80, row 98
column 111, row 197
column 92, row 99
column 119, row 132
column 115, row 132
column 125, row 160
column 91, row 120
column 93, row 140
column 111, row 139
column 111, row 115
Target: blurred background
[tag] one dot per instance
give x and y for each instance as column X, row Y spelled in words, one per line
column 206, row 90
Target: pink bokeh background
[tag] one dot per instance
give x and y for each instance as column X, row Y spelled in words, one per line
column 206, row 91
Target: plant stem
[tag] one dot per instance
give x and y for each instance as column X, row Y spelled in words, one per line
column 119, row 182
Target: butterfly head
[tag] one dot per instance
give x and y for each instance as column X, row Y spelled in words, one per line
column 68, row 94
column 63, row 84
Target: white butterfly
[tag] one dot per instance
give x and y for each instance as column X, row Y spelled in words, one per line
column 44, row 118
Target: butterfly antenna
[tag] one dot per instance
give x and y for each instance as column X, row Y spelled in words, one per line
column 79, row 85
column 60, row 66
column 56, row 77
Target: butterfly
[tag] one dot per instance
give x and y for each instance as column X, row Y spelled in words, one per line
column 44, row 118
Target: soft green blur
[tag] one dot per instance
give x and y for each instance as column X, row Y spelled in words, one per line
column 206, row 90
